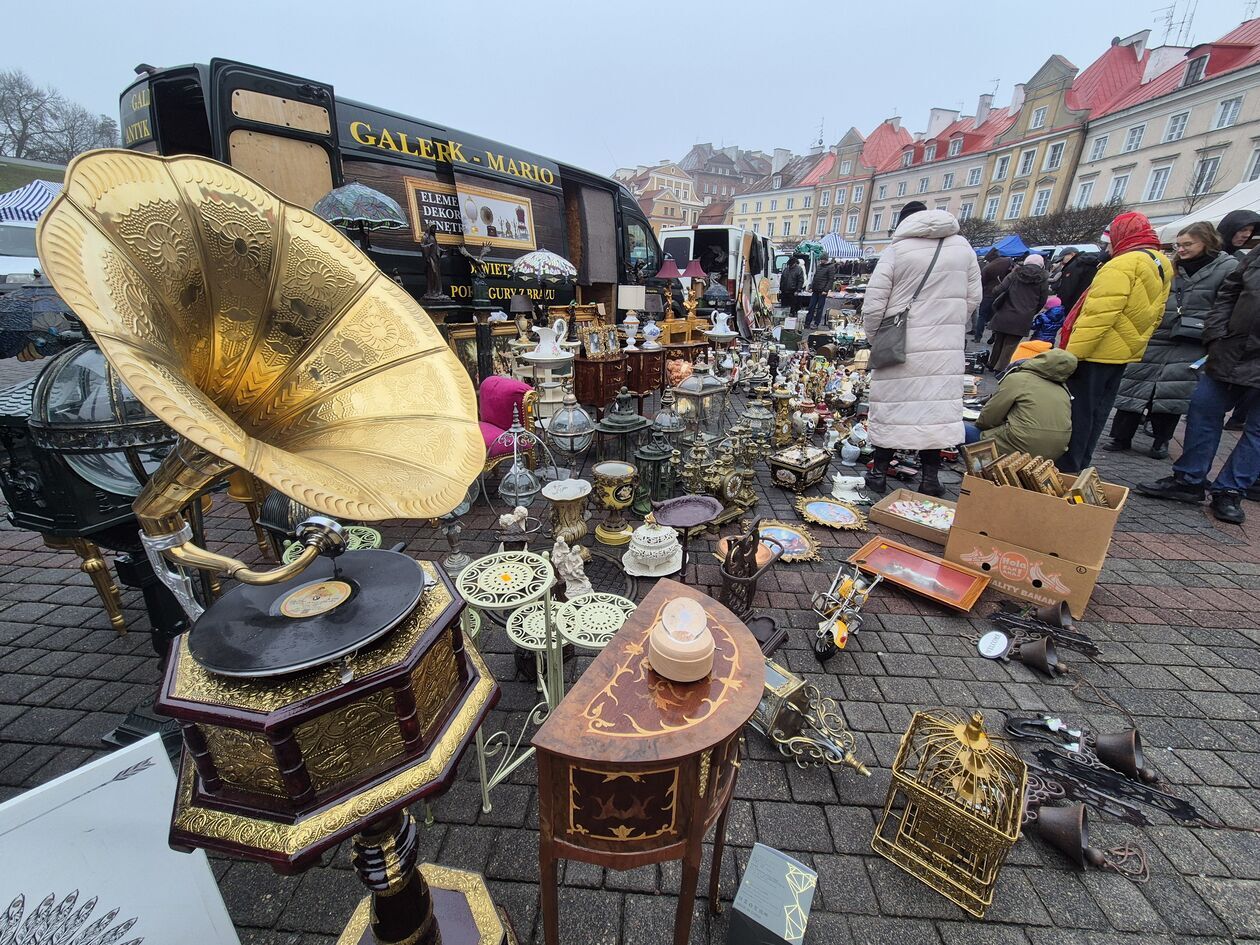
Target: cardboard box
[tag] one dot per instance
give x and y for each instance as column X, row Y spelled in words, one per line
column 772, row 904
column 1039, row 577
column 1040, row 523
column 879, row 513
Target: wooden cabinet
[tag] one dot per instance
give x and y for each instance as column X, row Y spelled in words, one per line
column 634, row 769
column 596, row 382
column 645, row 372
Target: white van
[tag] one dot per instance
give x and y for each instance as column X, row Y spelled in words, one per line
column 740, row 258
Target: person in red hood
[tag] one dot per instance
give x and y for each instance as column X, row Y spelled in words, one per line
column 1109, row 328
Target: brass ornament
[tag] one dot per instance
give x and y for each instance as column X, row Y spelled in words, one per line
column 260, row 334
column 823, row 510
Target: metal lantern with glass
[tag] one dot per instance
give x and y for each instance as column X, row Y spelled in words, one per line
column 657, row 475
column 667, row 419
column 700, row 398
column 620, row 428
column 519, row 485
column 571, row 432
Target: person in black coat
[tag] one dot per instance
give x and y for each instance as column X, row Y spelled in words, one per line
column 996, row 267
column 1017, row 302
column 791, row 281
column 1074, row 278
column 819, row 286
column 1230, row 379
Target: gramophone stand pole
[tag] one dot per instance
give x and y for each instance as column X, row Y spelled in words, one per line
column 384, row 855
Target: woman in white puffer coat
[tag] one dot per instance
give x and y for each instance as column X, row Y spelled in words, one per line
column 918, row 405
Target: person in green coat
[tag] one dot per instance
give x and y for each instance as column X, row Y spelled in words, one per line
column 1031, row 410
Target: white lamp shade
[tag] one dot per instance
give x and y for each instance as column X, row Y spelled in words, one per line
column 631, row 297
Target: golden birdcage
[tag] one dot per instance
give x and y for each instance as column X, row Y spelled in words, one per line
column 954, row 807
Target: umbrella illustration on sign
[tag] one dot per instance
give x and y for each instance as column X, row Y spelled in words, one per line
column 36, row 323
column 543, row 264
column 356, row 206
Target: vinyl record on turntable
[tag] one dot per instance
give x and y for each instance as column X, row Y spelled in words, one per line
column 325, row 613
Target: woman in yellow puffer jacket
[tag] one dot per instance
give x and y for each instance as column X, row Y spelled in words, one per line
column 1120, row 311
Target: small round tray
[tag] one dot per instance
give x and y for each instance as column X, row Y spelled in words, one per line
column 687, row 511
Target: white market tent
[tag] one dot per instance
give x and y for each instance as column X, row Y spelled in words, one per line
column 26, row 204
column 1243, row 197
column 839, row 248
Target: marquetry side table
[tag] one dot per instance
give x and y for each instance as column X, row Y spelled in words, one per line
column 645, row 372
column 596, row 381
column 634, row 769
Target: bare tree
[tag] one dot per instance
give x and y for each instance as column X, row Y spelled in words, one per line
column 72, row 129
column 978, row 231
column 1069, row 225
column 24, row 113
column 39, row 124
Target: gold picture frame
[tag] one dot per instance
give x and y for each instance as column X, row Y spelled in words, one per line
column 798, row 542
column 481, row 228
column 977, row 456
column 419, row 222
column 1087, row 489
column 832, row 513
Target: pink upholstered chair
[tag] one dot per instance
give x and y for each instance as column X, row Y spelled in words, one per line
column 496, row 398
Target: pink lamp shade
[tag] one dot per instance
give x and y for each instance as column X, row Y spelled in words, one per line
column 669, row 270
column 693, row 270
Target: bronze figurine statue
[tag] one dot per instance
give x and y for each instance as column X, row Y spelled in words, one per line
column 431, row 252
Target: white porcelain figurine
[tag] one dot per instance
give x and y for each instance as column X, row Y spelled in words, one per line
column 568, row 566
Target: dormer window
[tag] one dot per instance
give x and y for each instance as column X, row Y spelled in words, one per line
column 846, row 168
column 1196, row 69
column 1039, row 117
column 777, row 182
column 929, row 153
column 955, row 147
column 907, row 158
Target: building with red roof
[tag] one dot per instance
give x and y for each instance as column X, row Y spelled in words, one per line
column 1185, row 132
column 781, row 204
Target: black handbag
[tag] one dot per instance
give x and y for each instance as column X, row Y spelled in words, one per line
column 888, row 347
column 1188, row 327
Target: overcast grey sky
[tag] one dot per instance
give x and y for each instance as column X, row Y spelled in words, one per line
column 602, row 84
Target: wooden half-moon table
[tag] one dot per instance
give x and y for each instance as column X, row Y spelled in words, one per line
column 633, row 769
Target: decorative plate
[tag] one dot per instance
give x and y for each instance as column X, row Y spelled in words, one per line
column 831, row 512
column 798, row 544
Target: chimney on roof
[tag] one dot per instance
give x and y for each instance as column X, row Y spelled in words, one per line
column 983, row 107
column 1137, row 41
column 894, row 122
column 938, row 120
column 732, row 152
column 780, row 160
column 1161, row 59
column 1017, row 96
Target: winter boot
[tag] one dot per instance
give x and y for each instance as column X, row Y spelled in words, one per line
column 930, row 483
column 1171, row 487
column 1117, row 446
column 1159, row 450
column 877, row 477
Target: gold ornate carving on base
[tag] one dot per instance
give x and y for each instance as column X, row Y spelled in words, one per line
column 471, row 885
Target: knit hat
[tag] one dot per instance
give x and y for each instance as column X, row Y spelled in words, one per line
column 1035, row 259
column 1053, row 302
column 914, row 206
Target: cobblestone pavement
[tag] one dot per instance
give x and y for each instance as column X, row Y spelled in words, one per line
column 1176, row 613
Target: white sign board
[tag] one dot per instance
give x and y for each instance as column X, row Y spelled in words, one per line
column 89, row 851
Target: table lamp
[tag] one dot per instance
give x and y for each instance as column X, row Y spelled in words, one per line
column 632, row 299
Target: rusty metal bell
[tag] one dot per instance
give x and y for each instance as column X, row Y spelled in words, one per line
column 1122, row 751
column 1042, row 656
column 1057, row 615
column 1067, row 830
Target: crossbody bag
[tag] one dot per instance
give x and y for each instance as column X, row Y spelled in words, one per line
column 888, row 347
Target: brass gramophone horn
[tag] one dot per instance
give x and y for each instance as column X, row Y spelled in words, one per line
column 265, row 339
column 1122, row 751
column 1057, row 615
column 1041, row 656
column 1067, row 830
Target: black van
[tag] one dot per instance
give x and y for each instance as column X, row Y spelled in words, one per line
column 297, row 138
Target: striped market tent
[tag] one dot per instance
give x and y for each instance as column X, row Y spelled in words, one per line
column 25, row 204
column 839, row 248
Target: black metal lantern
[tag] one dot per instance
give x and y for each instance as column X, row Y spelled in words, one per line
column 657, row 474
column 621, row 423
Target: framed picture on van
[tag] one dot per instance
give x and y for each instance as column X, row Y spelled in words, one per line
column 505, row 221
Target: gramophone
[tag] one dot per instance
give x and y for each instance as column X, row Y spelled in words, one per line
column 319, row 699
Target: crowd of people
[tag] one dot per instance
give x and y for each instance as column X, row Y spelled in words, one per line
column 1132, row 329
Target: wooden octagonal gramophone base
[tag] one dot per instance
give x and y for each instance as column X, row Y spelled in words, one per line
column 462, row 909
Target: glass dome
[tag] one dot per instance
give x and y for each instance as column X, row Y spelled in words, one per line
column 519, row 486
column 571, row 430
column 667, row 420
column 82, row 410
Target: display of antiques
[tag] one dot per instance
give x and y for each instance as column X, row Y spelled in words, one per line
column 795, row 540
column 744, row 559
column 658, row 470
column 451, row 530
column 654, row 550
column 946, row 583
column 598, row 380
column 807, row 726
column 667, row 420
column 831, row 512
column 954, row 807
column 922, row 510
column 631, row 299
column 615, row 483
column 839, row 609
column 634, row 768
column 568, row 511
column 800, row 466
column 318, row 699
column 652, row 331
